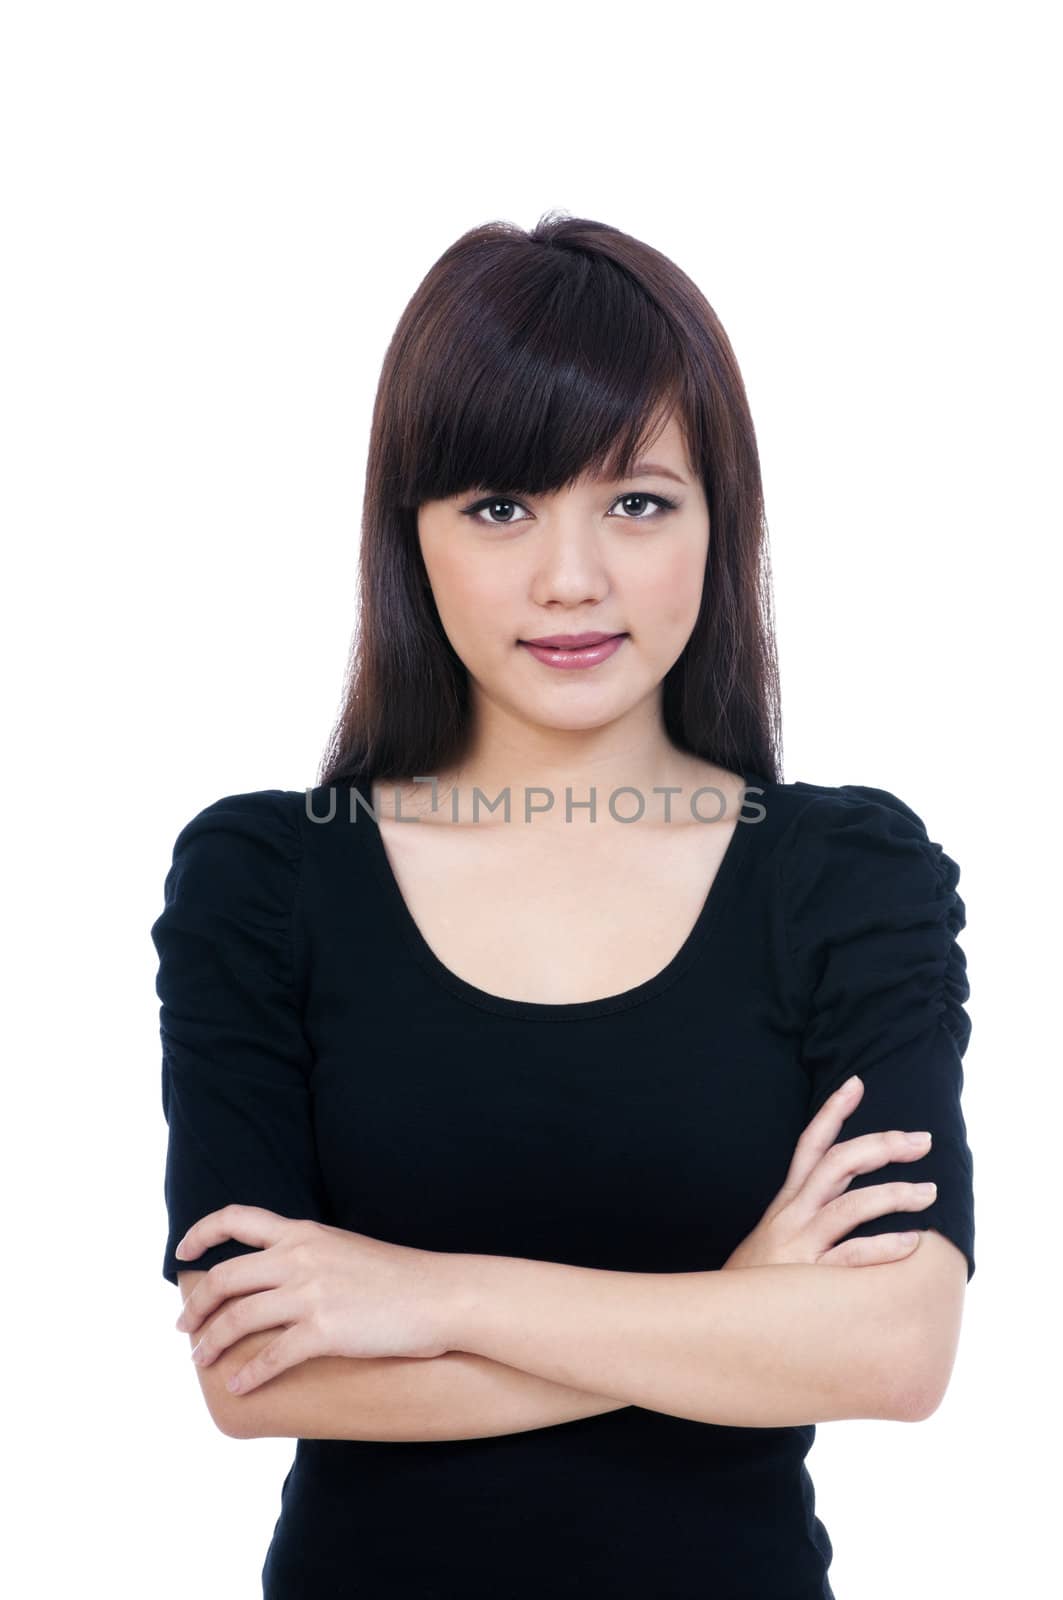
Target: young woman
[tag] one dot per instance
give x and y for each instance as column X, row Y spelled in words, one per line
column 552, row 1088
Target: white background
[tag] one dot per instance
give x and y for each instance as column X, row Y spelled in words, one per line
column 214, row 216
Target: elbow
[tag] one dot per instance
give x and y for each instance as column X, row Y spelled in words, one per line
column 926, row 1316
column 234, row 1426
column 917, row 1406
column 232, row 1415
column 240, row 1416
column 914, row 1384
column 922, row 1398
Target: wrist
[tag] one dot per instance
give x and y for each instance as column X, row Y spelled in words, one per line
column 462, row 1286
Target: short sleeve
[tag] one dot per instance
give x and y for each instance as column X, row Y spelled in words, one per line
column 873, row 913
column 236, row 1065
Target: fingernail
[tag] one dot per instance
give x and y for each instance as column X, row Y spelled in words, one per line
column 918, row 1138
column 848, row 1084
column 924, row 1189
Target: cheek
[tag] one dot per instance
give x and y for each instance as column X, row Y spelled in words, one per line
column 668, row 591
column 461, row 586
column 475, row 600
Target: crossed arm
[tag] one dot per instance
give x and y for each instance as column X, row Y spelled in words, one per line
column 397, row 1399
column 542, row 1343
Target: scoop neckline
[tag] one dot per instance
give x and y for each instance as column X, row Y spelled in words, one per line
column 716, row 898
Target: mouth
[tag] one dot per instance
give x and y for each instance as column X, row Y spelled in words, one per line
column 570, row 641
column 578, row 650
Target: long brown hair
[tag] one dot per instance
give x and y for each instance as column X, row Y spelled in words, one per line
column 523, row 360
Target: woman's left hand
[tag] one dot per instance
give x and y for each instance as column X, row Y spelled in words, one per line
column 333, row 1292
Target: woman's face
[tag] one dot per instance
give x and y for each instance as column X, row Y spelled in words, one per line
column 603, row 558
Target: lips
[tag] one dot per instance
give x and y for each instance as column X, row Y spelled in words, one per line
column 565, row 657
column 570, row 641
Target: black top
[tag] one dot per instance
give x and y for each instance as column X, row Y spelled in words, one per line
column 321, row 1061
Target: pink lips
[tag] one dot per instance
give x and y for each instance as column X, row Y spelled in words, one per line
column 570, row 641
column 574, row 650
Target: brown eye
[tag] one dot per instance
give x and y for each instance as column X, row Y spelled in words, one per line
column 662, row 502
column 493, row 503
column 503, row 506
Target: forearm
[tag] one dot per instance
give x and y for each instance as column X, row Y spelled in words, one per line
column 398, row 1399
column 772, row 1346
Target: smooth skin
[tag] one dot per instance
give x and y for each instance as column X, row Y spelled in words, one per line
column 600, row 556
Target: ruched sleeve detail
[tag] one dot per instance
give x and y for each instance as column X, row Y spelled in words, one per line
column 235, row 1059
column 880, row 983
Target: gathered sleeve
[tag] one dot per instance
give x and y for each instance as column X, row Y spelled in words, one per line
column 880, row 983
column 236, row 1064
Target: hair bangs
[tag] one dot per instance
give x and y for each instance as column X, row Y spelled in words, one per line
column 527, row 387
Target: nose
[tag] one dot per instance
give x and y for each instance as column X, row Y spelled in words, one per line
column 570, row 570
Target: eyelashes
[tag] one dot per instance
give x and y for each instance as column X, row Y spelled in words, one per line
column 662, row 501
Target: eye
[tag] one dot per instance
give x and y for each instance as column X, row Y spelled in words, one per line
column 493, row 503
column 660, row 500
column 490, row 502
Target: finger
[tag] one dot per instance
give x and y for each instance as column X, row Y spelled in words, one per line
column 248, row 1224
column 227, row 1280
column 842, row 1162
column 821, row 1132
column 849, row 1210
column 296, row 1344
column 871, row 1252
column 238, row 1319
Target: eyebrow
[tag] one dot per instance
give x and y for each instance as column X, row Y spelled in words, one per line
column 651, row 469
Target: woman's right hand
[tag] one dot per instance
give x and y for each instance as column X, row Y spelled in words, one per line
column 814, row 1208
